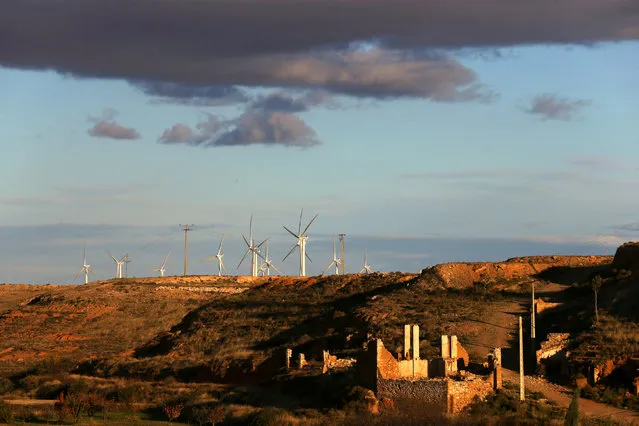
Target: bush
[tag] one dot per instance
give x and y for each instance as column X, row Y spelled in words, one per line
column 6, row 415
column 6, row 386
column 205, row 416
column 130, row 393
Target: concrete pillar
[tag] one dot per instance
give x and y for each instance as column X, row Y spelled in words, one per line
column 453, row 347
column 289, row 355
column 497, row 356
column 406, row 341
column 522, row 394
column 415, row 344
column 301, row 361
column 445, row 347
column 497, row 380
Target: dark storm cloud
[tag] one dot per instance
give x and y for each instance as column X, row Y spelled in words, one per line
column 107, row 127
column 550, row 106
column 254, row 126
column 286, row 43
column 192, row 95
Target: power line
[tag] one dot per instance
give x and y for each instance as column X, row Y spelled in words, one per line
column 186, row 229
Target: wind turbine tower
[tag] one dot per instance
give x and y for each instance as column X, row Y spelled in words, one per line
column 337, row 262
column 118, row 263
column 86, row 268
column 341, row 240
column 367, row 268
column 302, row 239
column 162, row 268
column 218, row 256
column 265, row 268
column 253, row 249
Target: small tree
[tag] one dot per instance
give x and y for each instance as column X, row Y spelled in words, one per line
column 596, row 283
column 572, row 415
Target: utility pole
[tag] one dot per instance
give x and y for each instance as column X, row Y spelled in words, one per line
column 532, row 315
column 522, row 396
column 126, row 265
column 186, row 229
column 341, row 240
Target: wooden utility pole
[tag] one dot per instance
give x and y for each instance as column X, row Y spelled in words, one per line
column 522, row 396
column 186, row 229
column 341, row 239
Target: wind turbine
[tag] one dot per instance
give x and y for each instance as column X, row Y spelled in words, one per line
column 86, row 268
column 253, row 249
column 336, row 260
column 119, row 263
column 265, row 268
column 162, row 268
column 218, row 256
column 367, row 268
column 302, row 239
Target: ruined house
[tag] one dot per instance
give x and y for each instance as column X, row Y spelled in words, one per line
column 443, row 382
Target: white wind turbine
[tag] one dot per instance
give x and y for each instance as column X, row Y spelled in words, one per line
column 265, row 268
column 367, row 268
column 86, row 268
column 162, row 268
column 218, row 256
column 119, row 263
column 336, row 260
column 253, row 249
column 302, row 239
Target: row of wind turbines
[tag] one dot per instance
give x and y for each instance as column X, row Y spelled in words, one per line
column 261, row 263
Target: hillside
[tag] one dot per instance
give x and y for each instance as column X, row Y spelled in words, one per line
column 190, row 334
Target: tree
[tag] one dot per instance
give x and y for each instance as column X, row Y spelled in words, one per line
column 572, row 415
column 596, row 283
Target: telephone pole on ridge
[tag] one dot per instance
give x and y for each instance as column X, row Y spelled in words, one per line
column 186, row 229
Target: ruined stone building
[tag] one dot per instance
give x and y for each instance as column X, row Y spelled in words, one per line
column 443, row 382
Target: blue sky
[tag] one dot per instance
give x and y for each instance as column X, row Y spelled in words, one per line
column 546, row 163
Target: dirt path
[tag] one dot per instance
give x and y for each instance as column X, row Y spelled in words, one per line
column 562, row 396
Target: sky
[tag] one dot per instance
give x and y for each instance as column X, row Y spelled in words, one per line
column 426, row 131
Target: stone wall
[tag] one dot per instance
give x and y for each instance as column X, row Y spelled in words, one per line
column 462, row 393
column 556, row 343
column 431, row 392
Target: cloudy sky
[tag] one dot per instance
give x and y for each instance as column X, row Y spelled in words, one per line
column 426, row 130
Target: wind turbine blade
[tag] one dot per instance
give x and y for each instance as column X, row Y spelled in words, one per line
column 327, row 268
column 308, row 257
column 222, row 265
column 334, row 247
column 208, row 258
column 260, row 244
column 251, row 229
column 273, row 266
column 362, row 270
column 291, row 232
column 290, row 252
column 165, row 259
column 309, row 224
column 243, row 257
column 114, row 259
column 219, row 250
column 247, row 243
column 85, row 252
column 299, row 228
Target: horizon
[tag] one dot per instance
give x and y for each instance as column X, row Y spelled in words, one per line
column 443, row 134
